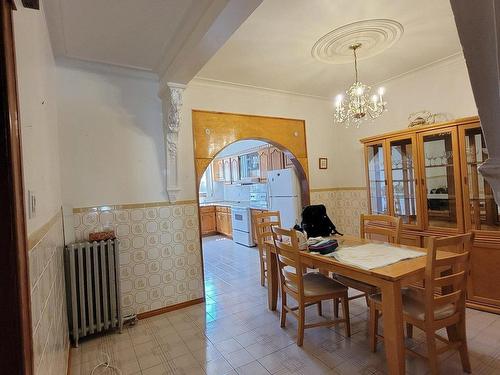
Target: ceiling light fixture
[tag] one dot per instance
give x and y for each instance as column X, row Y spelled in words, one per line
column 357, row 105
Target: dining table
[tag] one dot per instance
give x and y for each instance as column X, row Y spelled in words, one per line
column 389, row 279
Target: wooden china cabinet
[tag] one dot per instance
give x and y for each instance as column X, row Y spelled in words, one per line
column 428, row 176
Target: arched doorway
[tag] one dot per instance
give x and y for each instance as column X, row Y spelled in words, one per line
column 215, row 131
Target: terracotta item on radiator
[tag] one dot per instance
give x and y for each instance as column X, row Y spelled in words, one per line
column 102, row 235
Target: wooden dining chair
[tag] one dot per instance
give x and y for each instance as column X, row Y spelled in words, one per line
column 440, row 303
column 262, row 223
column 389, row 230
column 306, row 288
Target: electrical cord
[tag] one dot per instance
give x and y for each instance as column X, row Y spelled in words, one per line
column 106, row 364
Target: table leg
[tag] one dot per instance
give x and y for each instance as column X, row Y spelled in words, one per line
column 272, row 279
column 392, row 309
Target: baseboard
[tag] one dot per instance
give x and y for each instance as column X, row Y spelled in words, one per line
column 163, row 310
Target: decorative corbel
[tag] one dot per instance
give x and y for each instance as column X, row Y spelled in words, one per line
column 171, row 97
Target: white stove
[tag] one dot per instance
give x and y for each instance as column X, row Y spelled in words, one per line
column 242, row 226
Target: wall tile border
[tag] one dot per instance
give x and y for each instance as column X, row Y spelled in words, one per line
column 130, row 206
column 35, row 237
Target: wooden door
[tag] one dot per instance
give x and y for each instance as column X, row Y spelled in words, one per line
column 439, row 163
column 263, row 162
column 403, row 179
column 227, row 170
column 235, row 169
column 275, row 159
column 219, row 221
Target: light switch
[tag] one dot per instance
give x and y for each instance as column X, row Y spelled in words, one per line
column 31, row 204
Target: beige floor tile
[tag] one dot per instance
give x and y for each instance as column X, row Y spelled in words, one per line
column 252, row 368
column 239, row 358
column 218, row 366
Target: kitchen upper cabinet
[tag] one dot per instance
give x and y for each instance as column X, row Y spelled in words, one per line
column 263, row 154
column 235, row 169
column 227, row 170
column 288, row 162
column 276, row 160
column 218, row 170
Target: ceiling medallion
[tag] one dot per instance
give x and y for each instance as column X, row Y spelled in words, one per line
column 375, row 35
column 357, row 104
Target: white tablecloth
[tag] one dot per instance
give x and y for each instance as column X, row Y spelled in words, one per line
column 372, row 255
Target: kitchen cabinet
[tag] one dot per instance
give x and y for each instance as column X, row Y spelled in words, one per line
column 235, row 169
column 227, row 170
column 429, row 177
column 218, row 170
column 207, row 218
column 223, row 220
column 263, row 162
column 288, row 162
column 276, row 160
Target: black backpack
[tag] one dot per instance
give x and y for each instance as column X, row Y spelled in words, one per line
column 315, row 222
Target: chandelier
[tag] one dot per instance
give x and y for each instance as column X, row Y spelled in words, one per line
column 357, row 105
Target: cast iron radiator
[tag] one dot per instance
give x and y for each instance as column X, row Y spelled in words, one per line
column 92, row 287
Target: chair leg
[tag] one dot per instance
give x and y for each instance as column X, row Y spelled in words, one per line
column 320, row 309
column 345, row 311
column 455, row 333
column 336, row 308
column 373, row 326
column 283, row 310
column 431, row 352
column 262, row 272
column 409, row 330
column 302, row 321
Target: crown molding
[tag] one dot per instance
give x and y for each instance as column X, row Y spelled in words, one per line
column 106, row 68
column 442, row 61
column 201, row 81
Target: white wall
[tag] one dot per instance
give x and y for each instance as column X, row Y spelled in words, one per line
column 111, row 136
column 111, row 132
column 38, row 113
column 441, row 88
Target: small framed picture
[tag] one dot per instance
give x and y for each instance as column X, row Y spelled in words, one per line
column 323, row 163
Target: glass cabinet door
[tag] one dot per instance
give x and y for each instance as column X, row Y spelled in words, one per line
column 403, row 181
column 377, row 179
column 441, row 174
column 481, row 211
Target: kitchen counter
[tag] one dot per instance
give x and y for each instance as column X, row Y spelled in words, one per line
column 235, row 204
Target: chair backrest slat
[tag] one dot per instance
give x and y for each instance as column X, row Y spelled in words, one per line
column 262, row 222
column 449, row 274
column 391, row 230
column 289, row 265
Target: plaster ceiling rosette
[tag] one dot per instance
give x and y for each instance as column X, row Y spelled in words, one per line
column 375, row 36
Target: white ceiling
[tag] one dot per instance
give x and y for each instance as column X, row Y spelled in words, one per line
column 128, row 33
column 272, row 48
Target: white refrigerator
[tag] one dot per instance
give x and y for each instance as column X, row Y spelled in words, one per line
column 283, row 193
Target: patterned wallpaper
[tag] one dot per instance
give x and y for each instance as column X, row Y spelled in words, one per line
column 48, row 300
column 344, row 206
column 160, row 253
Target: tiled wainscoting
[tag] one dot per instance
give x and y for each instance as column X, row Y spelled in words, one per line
column 160, row 254
column 344, row 206
column 48, row 299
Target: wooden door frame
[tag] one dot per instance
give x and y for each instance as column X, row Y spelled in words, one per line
column 16, row 345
